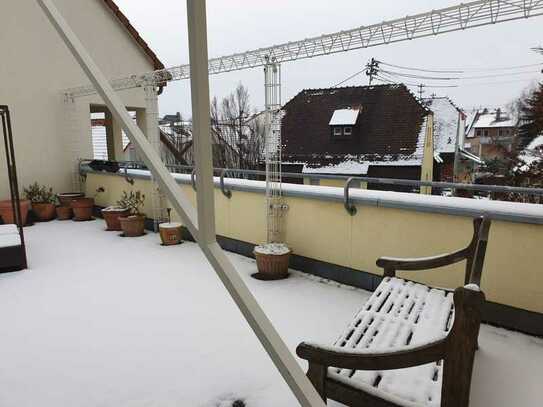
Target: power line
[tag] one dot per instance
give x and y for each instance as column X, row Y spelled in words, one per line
column 460, row 71
column 349, row 78
column 418, row 69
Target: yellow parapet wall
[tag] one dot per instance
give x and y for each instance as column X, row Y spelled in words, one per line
column 323, row 230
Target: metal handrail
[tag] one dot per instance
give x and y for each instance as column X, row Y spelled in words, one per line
column 349, row 207
column 383, row 181
column 226, row 192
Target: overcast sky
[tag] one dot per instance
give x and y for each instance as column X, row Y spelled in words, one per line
column 239, row 25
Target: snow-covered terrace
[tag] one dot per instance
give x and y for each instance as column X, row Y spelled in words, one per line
column 100, row 320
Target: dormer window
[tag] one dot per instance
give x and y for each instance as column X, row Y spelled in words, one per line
column 343, row 121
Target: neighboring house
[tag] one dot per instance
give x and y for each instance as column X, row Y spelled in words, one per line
column 38, row 67
column 491, row 133
column 376, row 131
column 449, row 124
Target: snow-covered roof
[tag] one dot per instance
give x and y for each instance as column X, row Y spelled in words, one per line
column 490, row 120
column 344, row 117
column 360, row 164
column 446, row 122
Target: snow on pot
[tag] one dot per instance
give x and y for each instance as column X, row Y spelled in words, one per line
column 272, row 261
column 64, row 212
column 170, row 233
column 82, row 208
column 112, row 215
column 6, row 211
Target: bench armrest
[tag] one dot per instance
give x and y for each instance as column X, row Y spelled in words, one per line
column 366, row 360
column 422, row 263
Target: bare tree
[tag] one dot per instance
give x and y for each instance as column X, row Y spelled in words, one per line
column 238, row 133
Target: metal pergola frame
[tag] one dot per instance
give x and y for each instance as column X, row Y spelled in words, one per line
column 5, row 118
column 200, row 221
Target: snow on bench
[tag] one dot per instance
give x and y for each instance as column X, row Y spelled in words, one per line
column 411, row 345
column 9, row 236
column 399, row 314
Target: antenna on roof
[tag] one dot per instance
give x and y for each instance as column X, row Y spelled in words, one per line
column 421, row 90
column 372, row 69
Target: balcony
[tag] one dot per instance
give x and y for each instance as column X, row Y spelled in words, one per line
column 104, row 320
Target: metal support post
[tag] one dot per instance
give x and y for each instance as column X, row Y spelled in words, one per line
column 201, row 226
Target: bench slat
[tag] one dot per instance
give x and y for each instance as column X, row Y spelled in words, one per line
column 399, row 313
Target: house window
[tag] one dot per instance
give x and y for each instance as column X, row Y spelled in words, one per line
column 347, row 131
column 338, row 131
column 478, row 133
column 485, row 133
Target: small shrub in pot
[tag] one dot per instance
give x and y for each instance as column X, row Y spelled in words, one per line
column 43, row 201
column 134, row 224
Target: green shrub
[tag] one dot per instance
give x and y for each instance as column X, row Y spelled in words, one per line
column 37, row 193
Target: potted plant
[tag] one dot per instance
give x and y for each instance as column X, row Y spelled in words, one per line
column 112, row 215
column 64, row 212
column 134, row 224
column 6, row 211
column 170, row 232
column 83, row 208
column 65, row 198
column 272, row 261
column 43, row 201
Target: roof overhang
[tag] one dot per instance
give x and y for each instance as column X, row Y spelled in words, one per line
column 157, row 64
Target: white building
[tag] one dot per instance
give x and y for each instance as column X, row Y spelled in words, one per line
column 49, row 132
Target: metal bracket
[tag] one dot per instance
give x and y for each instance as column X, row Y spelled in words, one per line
column 349, row 207
column 126, row 177
column 193, row 179
column 226, row 192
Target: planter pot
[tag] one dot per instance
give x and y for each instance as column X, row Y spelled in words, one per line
column 133, row 226
column 82, row 208
column 272, row 261
column 170, row 233
column 6, row 211
column 112, row 217
column 64, row 213
column 66, row 198
column 44, row 211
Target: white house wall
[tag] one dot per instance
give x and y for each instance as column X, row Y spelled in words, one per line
column 36, row 66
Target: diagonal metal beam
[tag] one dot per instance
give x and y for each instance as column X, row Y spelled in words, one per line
column 201, row 226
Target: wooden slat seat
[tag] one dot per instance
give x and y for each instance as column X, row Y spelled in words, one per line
column 410, row 345
column 399, row 314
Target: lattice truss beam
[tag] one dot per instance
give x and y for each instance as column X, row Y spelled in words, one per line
column 456, row 18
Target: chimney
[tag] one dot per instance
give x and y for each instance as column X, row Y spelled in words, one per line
column 498, row 114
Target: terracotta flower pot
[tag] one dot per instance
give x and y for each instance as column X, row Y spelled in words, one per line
column 133, row 226
column 82, row 208
column 272, row 261
column 112, row 217
column 66, row 198
column 44, row 211
column 64, row 213
column 6, row 211
column 170, row 233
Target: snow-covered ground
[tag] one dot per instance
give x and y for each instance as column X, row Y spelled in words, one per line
column 105, row 321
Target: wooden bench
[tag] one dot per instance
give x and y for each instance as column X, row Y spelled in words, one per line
column 12, row 252
column 410, row 345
